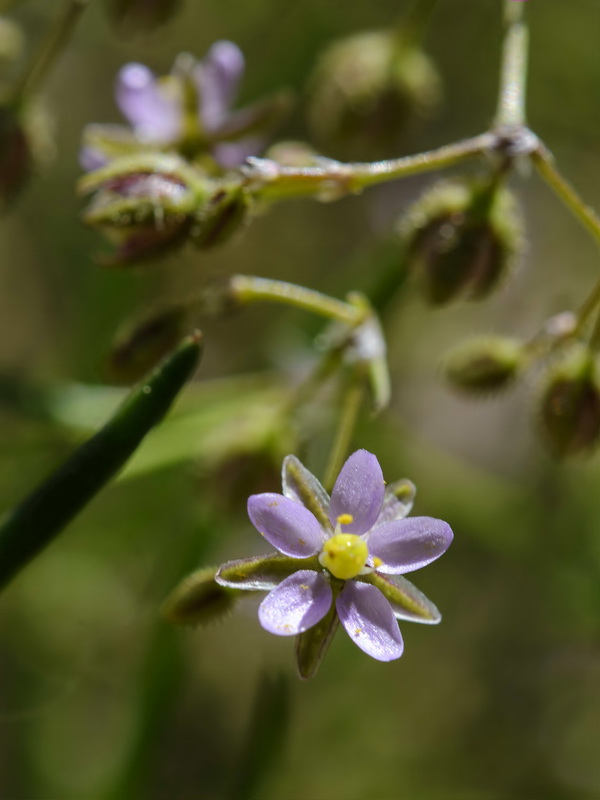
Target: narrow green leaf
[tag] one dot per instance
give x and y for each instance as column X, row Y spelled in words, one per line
column 54, row 503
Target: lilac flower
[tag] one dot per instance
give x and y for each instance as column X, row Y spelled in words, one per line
column 188, row 111
column 341, row 550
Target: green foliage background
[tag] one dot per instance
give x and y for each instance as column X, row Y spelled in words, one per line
column 100, row 699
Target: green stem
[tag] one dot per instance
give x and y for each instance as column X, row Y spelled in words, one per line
column 513, row 76
column 544, row 164
column 54, row 42
column 588, row 307
column 249, row 289
column 412, row 27
column 351, row 407
column 270, row 181
column 595, row 337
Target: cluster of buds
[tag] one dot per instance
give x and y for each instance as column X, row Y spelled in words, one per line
column 147, row 204
column 569, row 397
column 461, row 239
column 366, row 89
column 171, row 175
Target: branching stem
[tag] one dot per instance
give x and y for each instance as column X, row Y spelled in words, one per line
column 249, row 289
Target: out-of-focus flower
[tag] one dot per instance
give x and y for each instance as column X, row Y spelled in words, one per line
column 188, row 111
column 366, row 89
column 337, row 556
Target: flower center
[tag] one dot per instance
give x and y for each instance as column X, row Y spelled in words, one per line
column 344, row 554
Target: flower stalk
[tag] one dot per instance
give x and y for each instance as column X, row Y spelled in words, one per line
column 513, row 75
column 56, row 39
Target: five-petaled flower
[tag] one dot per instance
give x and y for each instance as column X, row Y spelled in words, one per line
column 187, row 111
column 338, row 554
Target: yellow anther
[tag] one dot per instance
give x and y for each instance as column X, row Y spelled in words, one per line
column 345, row 519
column 344, row 555
column 377, row 562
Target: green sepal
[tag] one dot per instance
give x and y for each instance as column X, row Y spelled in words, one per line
column 262, row 573
column 56, row 501
column 312, row 645
column 397, row 501
column 199, row 599
column 300, row 484
column 154, row 163
column 406, row 600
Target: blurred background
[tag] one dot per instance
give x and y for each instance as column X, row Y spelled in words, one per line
column 99, row 698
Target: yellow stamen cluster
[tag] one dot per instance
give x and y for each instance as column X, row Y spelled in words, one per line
column 345, row 554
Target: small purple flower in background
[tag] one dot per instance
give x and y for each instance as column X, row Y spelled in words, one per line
column 187, row 111
column 338, row 553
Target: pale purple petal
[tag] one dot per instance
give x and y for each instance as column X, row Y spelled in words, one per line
column 233, row 154
column 218, row 76
column 287, row 525
column 358, row 491
column 91, row 158
column 298, row 603
column 409, row 544
column 155, row 115
column 369, row 621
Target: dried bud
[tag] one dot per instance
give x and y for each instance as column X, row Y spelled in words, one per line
column 144, row 204
column 570, row 403
column 144, row 345
column 133, row 16
column 484, row 366
column 365, row 90
column 199, row 599
column 461, row 239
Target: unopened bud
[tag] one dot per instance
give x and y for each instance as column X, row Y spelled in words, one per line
column 483, row 366
column 461, row 239
column 220, row 217
column 133, row 16
column 365, row 90
column 570, row 403
column 144, row 345
column 199, row 600
column 144, row 204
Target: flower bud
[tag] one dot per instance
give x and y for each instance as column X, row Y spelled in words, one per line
column 365, row 89
column 144, row 204
column 15, row 155
column 223, row 214
column 570, row 403
column 133, row 16
column 144, row 345
column 482, row 366
column 461, row 239
column 199, row 600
